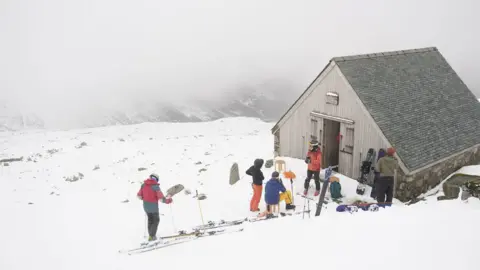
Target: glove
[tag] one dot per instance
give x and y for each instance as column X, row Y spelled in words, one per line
column 307, row 160
column 139, row 197
column 168, row 200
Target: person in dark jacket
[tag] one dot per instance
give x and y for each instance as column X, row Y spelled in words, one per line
column 387, row 167
column 275, row 192
column 257, row 184
column 150, row 194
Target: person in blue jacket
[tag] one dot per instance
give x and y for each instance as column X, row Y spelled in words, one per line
column 275, row 192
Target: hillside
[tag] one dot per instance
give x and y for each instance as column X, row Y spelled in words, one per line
column 266, row 101
column 70, row 203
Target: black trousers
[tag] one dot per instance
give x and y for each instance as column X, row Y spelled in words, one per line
column 153, row 221
column 316, row 177
column 384, row 189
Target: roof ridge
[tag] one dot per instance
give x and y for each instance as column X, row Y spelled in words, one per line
column 382, row 54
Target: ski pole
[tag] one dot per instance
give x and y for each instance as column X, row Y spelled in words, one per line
column 200, row 207
column 173, row 221
column 145, row 227
column 291, row 187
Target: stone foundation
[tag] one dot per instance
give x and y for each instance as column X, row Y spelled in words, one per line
column 410, row 187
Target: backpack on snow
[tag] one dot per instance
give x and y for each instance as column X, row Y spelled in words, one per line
column 335, row 190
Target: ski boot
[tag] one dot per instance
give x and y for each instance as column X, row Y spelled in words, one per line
column 317, row 192
column 152, row 238
column 290, row 207
column 269, row 216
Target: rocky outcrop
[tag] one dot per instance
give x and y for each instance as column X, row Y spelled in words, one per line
column 411, row 186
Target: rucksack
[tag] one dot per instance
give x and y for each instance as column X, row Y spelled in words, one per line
column 335, row 190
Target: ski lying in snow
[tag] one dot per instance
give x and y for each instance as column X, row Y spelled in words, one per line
column 153, row 245
column 311, row 199
column 293, row 213
column 351, row 208
column 281, row 214
column 220, row 224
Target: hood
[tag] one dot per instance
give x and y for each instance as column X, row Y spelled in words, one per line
column 258, row 163
column 150, row 182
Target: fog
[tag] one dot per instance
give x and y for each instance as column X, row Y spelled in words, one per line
column 61, row 57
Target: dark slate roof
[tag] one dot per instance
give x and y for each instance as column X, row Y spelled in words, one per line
column 418, row 101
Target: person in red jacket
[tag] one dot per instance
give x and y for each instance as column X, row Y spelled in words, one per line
column 150, row 194
column 314, row 161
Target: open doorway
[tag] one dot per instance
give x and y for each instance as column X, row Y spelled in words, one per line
column 331, row 143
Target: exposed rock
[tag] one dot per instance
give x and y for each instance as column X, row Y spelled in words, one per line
column 11, row 160
column 53, row 151
column 74, row 178
column 411, row 186
column 142, row 169
column 269, row 163
column 122, row 160
column 125, row 201
column 97, row 167
column 198, row 163
column 121, row 139
column 202, row 170
column 81, row 145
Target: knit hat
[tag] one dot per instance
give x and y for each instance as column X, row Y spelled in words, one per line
column 275, row 174
column 391, row 151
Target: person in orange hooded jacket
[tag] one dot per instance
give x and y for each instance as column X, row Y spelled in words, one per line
column 314, row 161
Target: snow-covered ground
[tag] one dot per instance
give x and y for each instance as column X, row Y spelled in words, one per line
column 50, row 223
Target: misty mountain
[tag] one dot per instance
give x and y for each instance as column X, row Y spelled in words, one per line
column 266, row 101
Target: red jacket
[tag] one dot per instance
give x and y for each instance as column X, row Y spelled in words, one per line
column 315, row 160
column 150, row 191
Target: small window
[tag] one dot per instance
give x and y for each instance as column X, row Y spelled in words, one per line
column 349, row 138
column 332, row 98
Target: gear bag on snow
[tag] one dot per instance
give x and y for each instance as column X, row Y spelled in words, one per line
column 335, row 190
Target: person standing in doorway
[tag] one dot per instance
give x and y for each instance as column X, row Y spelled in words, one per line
column 387, row 167
column 314, row 161
column 257, row 183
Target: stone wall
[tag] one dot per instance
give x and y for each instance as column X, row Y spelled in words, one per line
column 410, row 187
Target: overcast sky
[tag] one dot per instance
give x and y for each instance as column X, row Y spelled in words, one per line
column 58, row 55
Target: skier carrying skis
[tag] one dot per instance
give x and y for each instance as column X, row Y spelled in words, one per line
column 387, row 167
column 150, row 194
column 275, row 192
column 314, row 161
column 257, row 184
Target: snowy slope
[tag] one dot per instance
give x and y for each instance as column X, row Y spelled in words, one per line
column 51, row 223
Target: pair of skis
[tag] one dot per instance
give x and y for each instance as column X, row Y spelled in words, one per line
column 180, row 238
